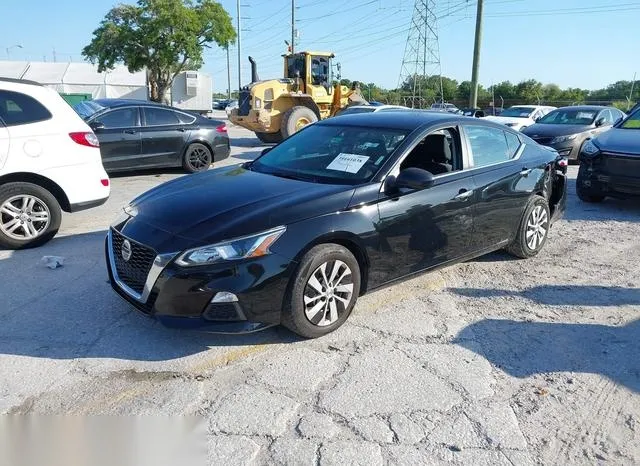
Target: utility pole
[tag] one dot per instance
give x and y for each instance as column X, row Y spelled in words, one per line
column 473, row 100
column 228, row 75
column 633, row 83
column 54, row 55
column 293, row 25
column 239, row 51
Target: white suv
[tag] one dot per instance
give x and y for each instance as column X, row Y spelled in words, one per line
column 49, row 161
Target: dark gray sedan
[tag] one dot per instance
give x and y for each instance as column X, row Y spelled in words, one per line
column 566, row 129
column 136, row 135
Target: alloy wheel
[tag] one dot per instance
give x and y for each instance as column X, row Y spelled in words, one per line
column 328, row 293
column 199, row 158
column 24, row 217
column 537, row 227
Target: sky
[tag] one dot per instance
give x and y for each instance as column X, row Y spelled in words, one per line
column 572, row 43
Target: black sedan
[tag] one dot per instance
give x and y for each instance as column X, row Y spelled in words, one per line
column 610, row 163
column 567, row 129
column 135, row 134
column 341, row 208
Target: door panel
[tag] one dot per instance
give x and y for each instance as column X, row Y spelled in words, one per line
column 4, row 145
column 164, row 137
column 421, row 229
column 119, row 137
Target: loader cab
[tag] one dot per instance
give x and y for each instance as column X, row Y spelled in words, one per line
column 312, row 72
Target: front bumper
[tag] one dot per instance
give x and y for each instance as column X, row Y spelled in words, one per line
column 604, row 176
column 182, row 297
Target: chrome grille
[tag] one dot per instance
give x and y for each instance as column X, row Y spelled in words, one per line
column 135, row 271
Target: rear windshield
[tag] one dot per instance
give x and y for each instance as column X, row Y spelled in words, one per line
column 331, row 154
column 87, row 108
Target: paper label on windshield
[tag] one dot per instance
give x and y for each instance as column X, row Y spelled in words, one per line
column 349, row 163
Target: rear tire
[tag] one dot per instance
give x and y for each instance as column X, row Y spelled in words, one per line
column 585, row 194
column 197, row 158
column 295, row 119
column 29, row 215
column 533, row 230
column 323, row 292
column 269, row 138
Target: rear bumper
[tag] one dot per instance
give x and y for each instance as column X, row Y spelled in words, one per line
column 221, row 152
column 87, row 205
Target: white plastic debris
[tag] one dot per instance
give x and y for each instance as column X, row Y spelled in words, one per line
column 53, row 262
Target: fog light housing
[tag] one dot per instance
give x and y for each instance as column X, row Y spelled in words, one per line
column 224, row 297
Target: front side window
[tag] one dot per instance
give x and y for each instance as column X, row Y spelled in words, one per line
column 489, row 145
column 331, row 154
column 119, row 118
column 160, row 117
column 438, row 153
column 21, row 109
column 608, row 117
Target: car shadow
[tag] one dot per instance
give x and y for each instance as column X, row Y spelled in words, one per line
column 523, row 349
column 562, row 295
column 248, row 142
column 148, row 172
column 623, row 210
column 72, row 312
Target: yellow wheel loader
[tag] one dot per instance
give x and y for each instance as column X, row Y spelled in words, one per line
column 277, row 108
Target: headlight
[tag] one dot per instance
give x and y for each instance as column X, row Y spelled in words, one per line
column 239, row 248
column 558, row 139
column 590, row 148
column 257, row 103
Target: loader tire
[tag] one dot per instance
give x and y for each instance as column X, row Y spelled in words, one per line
column 295, row 119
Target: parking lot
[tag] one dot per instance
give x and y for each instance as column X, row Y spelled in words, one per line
column 494, row 361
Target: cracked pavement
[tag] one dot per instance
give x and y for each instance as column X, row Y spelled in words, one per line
column 494, row 361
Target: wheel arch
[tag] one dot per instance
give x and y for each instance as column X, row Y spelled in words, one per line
column 42, row 181
column 352, row 244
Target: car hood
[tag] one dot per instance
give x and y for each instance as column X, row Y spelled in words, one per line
column 626, row 141
column 505, row 120
column 549, row 130
column 225, row 203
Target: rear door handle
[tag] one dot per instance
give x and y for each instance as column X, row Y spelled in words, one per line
column 525, row 171
column 130, row 131
column 464, row 194
column 182, row 130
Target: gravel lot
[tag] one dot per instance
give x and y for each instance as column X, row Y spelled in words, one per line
column 494, row 361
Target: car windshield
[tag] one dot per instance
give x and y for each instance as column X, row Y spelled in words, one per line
column 569, row 117
column 87, row 108
column 331, row 154
column 352, row 110
column 632, row 122
column 517, row 112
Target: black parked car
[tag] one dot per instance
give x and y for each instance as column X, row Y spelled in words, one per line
column 567, row 129
column 340, row 208
column 610, row 163
column 136, row 134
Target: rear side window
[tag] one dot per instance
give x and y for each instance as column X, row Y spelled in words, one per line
column 21, row 109
column 186, row 119
column 120, row 118
column 490, row 145
column 513, row 141
column 160, row 117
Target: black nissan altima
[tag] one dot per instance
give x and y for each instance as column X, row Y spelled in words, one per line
column 343, row 207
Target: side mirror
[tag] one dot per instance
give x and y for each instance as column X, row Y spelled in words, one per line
column 265, row 150
column 600, row 122
column 96, row 125
column 413, row 178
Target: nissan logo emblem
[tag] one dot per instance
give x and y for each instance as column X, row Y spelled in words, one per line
column 126, row 250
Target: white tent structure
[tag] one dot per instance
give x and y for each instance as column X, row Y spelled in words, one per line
column 80, row 78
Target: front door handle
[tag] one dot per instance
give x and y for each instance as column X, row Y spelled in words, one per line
column 130, row 131
column 464, row 194
column 525, row 171
column 182, row 130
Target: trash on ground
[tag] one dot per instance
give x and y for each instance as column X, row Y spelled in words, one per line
column 53, row 262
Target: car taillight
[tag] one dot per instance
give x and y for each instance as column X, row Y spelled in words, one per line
column 105, row 182
column 221, row 129
column 85, row 139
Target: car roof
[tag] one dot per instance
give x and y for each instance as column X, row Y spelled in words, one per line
column 20, row 81
column 584, row 107
column 405, row 119
column 112, row 103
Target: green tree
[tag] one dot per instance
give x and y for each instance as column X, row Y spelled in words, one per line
column 529, row 91
column 163, row 36
column 505, row 89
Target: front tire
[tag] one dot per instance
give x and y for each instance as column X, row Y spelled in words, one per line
column 325, row 289
column 269, row 138
column 29, row 215
column 295, row 119
column 533, row 230
column 197, row 158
